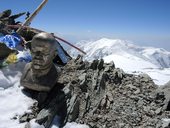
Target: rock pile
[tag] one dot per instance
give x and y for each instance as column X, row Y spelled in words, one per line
column 102, row 96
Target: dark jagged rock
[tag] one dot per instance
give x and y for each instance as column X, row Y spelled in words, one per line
column 100, row 64
column 111, row 98
column 94, row 64
column 55, row 105
column 44, row 110
column 106, row 97
column 73, row 108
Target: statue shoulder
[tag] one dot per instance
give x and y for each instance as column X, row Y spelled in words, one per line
column 26, row 70
column 27, row 67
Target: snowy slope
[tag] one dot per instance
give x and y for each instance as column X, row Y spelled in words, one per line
column 131, row 58
column 14, row 102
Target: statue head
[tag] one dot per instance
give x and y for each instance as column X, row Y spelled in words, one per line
column 43, row 50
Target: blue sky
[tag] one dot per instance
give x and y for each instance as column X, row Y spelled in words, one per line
column 146, row 22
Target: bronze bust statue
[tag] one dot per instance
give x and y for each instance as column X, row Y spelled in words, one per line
column 41, row 74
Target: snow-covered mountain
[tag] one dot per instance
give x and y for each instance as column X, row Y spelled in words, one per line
column 131, row 58
column 106, row 47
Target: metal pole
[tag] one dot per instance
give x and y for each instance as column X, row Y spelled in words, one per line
column 28, row 21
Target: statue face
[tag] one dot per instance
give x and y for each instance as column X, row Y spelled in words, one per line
column 41, row 74
column 43, row 53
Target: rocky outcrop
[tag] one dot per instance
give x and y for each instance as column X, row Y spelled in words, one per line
column 106, row 97
column 102, row 96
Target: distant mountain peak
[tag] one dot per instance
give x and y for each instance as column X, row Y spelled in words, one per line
column 129, row 57
column 106, row 47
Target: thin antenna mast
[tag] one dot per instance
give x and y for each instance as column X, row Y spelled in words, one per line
column 28, row 21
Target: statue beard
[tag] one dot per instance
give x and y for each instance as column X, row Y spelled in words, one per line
column 41, row 70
